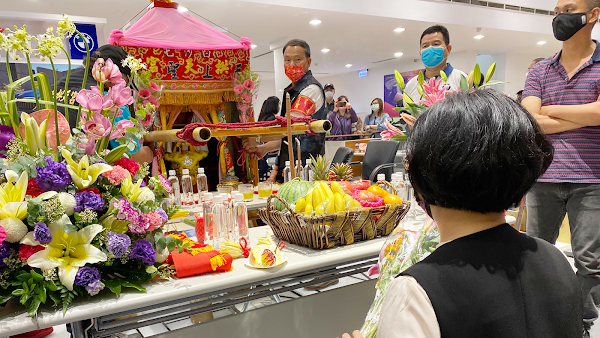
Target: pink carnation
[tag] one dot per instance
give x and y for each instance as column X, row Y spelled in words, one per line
column 117, row 175
column 155, row 221
column 2, row 235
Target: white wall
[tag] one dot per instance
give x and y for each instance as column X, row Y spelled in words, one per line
column 516, row 69
column 486, row 61
column 266, row 89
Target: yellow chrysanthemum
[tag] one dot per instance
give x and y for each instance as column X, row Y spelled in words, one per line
column 66, row 27
column 49, row 46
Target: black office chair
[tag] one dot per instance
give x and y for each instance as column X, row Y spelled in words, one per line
column 343, row 155
column 379, row 159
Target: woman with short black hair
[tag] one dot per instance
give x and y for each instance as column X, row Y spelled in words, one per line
column 469, row 158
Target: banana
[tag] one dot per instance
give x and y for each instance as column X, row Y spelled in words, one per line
column 316, row 198
column 339, row 202
column 309, row 196
column 320, row 210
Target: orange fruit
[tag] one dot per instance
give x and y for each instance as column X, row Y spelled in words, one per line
column 377, row 190
column 392, row 199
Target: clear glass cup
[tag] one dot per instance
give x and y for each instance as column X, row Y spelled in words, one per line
column 248, row 191
column 264, row 190
column 224, row 189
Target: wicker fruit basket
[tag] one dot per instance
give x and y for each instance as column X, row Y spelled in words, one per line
column 328, row 231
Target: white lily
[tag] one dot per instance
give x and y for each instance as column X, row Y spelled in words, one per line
column 35, row 136
column 12, row 195
column 82, row 173
column 67, row 251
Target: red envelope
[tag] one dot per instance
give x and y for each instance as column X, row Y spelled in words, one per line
column 187, row 264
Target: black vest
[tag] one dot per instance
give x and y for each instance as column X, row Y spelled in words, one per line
column 499, row 283
column 309, row 144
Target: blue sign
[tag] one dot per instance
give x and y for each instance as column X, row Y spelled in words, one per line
column 363, row 73
column 77, row 44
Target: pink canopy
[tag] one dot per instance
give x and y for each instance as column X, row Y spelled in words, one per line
column 166, row 27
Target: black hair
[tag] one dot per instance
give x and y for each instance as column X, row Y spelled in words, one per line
column 520, row 92
column 437, row 29
column 115, row 53
column 540, row 59
column 299, row 43
column 591, row 4
column 478, row 151
column 269, row 109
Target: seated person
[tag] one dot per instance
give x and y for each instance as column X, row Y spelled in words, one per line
column 375, row 122
column 485, row 279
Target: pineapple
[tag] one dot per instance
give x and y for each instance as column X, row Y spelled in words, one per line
column 320, row 168
column 340, row 172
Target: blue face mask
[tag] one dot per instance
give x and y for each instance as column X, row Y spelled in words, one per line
column 432, row 56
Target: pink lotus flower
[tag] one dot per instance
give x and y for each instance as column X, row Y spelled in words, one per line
column 434, row 91
column 89, row 146
column 104, row 71
column 98, row 127
column 238, row 89
column 92, row 100
column 154, row 87
column 249, row 84
column 120, row 94
column 247, row 97
column 120, row 129
column 145, row 94
column 391, row 132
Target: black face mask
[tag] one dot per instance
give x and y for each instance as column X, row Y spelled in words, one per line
column 566, row 25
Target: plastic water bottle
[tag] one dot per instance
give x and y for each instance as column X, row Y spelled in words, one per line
column 176, row 195
column 308, row 173
column 240, row 218
column 287, row 172
column 207, row 205
column 187, row 188
column 202, row 183
column 398, row 186
column 219, row 227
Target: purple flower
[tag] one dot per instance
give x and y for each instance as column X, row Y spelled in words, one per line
column 162, row 214
column 88, row 200
column 5, row 251
column 142, row 250
column 41, row 233
column 86, row 275
column 118, row 244
column 94, row 287
column 6, row 135
column 124, row 210
column 54, row 176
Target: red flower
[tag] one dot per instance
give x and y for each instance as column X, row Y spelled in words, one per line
column 94, row 190
column 25, row 251
column 32, row 188
column 128, row 164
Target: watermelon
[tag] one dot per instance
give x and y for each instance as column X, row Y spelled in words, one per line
column 292, row 191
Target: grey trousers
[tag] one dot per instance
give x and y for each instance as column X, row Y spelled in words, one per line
column 547, row 204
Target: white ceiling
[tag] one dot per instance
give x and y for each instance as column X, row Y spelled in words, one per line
column 354, row 38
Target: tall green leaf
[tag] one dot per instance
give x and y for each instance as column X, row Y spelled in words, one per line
column 46, row 93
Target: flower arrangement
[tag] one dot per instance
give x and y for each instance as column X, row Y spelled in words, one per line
column 436, row 90
column 245, row 86
column 402, row 249
column 147, row 96
column 77, row 218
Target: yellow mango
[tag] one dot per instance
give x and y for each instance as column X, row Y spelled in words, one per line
column 320, row 211
column 339, row 202
column 326, row 190
column 300, row 205
column 316, row 196
column 336, row 187
column 309, row 196
column 308, row 210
